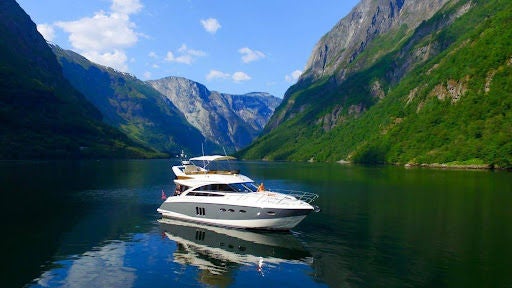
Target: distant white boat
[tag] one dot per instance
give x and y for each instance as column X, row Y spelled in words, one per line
column 228, row 198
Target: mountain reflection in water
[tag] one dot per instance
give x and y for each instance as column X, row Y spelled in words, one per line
column 218, row 252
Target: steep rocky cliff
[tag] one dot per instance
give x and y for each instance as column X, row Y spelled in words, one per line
column 231, row 121
column 351, row 35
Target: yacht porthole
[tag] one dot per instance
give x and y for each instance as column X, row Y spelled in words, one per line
column 222, row 210
column 231, row 210
column 271, row 213
column 242, row 211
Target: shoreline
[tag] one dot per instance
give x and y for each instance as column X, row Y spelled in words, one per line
column 440, row 166
column 454, row 166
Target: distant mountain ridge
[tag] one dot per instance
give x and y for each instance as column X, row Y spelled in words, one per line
column 404, row 82
column 132, row 105
column 170, row 114
column 231, row 121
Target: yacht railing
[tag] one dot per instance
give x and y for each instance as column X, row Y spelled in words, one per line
column 276, row 196
column 307, row 197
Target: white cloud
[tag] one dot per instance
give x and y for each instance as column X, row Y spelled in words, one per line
column 240, row 76
column 293, row 77
column 236, row 77
column 184, row 59
column 146, row 75
column 184, row 49
column 101, row 32
column 185, row 55
column 249, row 55
column 153, row 55
column 115, row 59
column 215, row 74
column 102, row 37
column 47, row 31
column 126, row 6
column 211, row 25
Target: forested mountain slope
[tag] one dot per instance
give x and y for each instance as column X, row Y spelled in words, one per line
column 42, row 115
column 433, row 90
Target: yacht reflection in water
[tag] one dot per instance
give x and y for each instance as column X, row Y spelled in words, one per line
column 217, row 251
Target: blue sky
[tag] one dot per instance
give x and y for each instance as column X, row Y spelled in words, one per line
column 229, row 46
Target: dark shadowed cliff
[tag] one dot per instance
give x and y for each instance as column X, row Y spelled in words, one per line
column 42, row 115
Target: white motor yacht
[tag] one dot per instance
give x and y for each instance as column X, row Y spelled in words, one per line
column 230, row 199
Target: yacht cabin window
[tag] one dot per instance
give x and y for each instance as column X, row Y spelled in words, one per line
column 215, row 188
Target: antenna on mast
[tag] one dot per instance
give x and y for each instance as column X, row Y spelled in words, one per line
column 226, row 154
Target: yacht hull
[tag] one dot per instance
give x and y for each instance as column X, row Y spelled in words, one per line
column 236, row 216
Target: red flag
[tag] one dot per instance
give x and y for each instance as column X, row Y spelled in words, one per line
column 163, row 195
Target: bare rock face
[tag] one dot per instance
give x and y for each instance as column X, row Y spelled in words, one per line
column 231, row 121
column 352, row 34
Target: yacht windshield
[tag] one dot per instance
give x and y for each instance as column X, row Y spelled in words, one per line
column 244, row 187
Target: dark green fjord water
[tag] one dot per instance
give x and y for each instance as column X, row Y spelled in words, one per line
column 94, row 224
